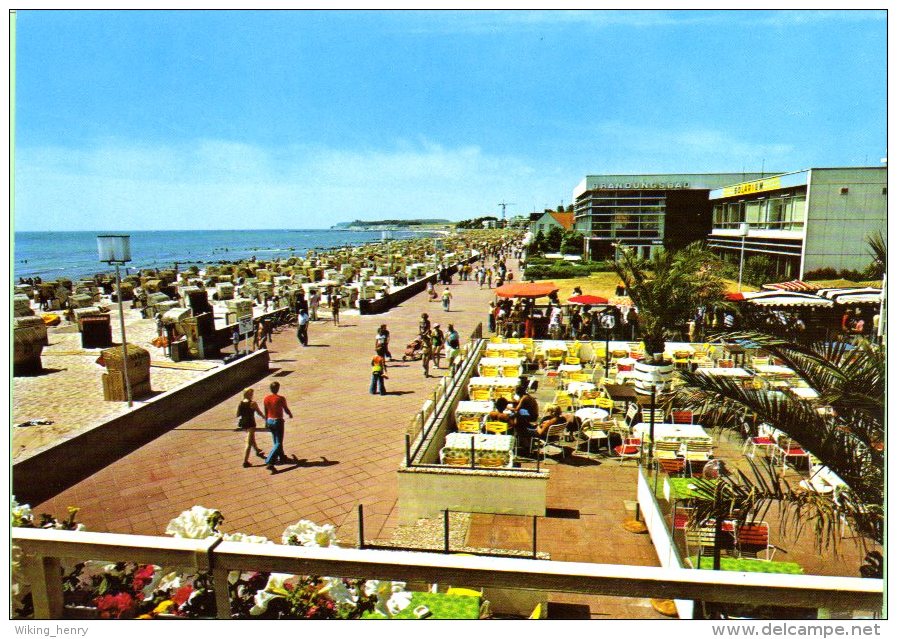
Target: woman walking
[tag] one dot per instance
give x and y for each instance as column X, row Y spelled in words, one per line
column 247, row 409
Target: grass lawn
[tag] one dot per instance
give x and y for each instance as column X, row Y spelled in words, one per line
column 603, row 284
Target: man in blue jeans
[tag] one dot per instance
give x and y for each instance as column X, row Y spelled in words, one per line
column 275, row 407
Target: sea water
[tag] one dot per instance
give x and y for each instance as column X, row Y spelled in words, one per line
column 73, row 254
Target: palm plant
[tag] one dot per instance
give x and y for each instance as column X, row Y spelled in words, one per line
column 878, row 249
column 849, row 440
column 668, row 288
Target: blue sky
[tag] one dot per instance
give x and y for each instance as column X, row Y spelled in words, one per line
column 142, row 120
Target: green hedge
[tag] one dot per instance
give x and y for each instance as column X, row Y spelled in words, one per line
column 539, row 268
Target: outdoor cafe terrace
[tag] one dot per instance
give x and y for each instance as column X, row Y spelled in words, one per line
column 593, row 468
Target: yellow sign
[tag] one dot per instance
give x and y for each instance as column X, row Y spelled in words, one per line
column 757, row 186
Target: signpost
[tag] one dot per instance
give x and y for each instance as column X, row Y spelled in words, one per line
column 244, row 325
column 608, row 321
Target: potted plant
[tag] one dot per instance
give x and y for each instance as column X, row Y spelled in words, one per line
column 667, row 289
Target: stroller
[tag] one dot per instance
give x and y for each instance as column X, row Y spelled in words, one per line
column 413, row 350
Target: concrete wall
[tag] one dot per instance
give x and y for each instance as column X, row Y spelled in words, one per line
column 52, row 470
column 383, row 304
column 838, row 223
column 424, row 492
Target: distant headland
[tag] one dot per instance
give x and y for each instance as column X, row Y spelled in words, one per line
column 392, row 225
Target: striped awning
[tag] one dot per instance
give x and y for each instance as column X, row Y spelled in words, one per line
column 793, row 285
column 867, row 295
column 787, row 298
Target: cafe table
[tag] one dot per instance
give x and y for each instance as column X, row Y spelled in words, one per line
column 621, row 392
column 590, row 413
column 473, row 409
column 554, row 345
column 575, row 388
column 494, row 447
column 673, row 432
column 440, row 605
column 492, row 382
column 769, row 370
column 736, row 564
column 804, row 393
column 569, row 368
column 724, row 372
column 502, row 363
column 504, row 346
column 682, row 488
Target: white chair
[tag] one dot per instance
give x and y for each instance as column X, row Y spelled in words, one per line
column 556, row 433
column 594, row 431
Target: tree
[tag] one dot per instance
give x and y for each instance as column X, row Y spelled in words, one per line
column 571, row 243
column 668, row 288
column 758, row 270
column 554, row 239
column 849, row 440
column 538, row 245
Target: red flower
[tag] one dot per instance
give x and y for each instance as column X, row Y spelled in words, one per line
column 142, row 576
column 182, row 594
column 120, row 606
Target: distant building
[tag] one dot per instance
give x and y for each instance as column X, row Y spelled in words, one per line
column 803, row 221
column 645, row 211
column 550, row 219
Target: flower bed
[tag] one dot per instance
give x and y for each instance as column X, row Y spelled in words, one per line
column 127, row 590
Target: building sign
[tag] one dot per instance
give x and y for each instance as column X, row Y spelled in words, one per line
column 757, row 186
column 645, row 185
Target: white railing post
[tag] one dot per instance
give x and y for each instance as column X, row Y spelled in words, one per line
column 222, row 596
column 45, row 576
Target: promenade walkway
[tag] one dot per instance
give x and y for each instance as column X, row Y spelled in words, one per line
column 349, row 442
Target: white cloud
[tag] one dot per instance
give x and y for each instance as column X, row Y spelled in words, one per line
column 228, row 184
column 484, row 22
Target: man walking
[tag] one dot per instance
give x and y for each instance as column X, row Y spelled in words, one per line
column 453, row 343
column 302, row 327
column 275, row 407
column 446, row 299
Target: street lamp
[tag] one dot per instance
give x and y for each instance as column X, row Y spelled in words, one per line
column 742, row 231
column 116, row 249
column 608, row 321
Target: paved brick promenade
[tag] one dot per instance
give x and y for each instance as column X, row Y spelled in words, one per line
column 349, row 442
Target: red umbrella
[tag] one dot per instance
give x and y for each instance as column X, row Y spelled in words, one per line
column 591, row 300
column 734, row 297
column 527, row 289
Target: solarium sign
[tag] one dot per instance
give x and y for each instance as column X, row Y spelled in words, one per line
column 766, row 184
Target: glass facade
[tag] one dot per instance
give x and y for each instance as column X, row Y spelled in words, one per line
column 622, row 215
column 778, row 212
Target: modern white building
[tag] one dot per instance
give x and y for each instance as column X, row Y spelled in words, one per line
column 803, row 221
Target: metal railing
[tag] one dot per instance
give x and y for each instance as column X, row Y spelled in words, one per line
column 44, row 548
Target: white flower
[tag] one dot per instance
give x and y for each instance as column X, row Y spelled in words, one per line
column 391, row 596
column 250, row 539
column 307, row 533
column 273, row 589
column 339, row 592
column 19, row 514
column 170, row 581
column 196, row 523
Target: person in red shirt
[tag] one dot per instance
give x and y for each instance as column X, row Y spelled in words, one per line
column 275, row 407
